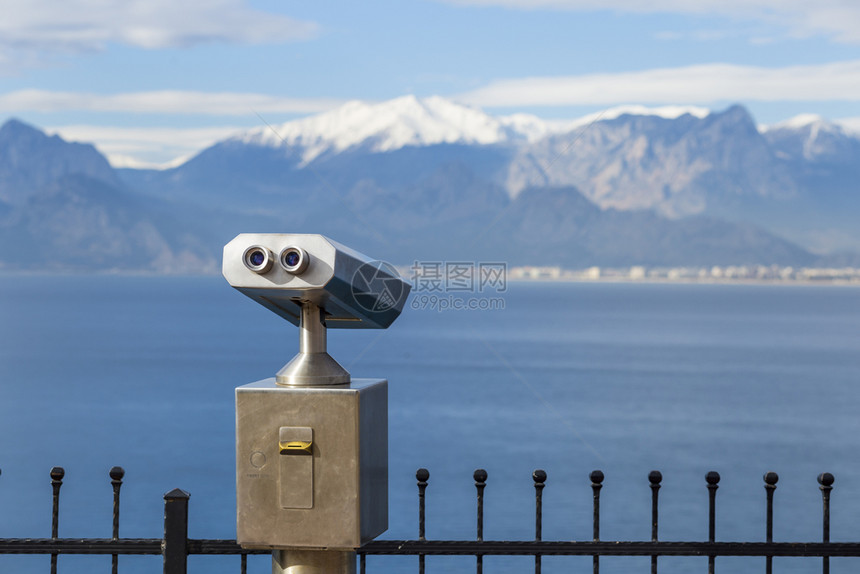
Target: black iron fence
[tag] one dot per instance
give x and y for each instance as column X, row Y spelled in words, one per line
column 175, row 546
column 597, row 547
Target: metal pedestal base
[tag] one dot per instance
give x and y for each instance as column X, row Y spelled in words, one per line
column 313, row 562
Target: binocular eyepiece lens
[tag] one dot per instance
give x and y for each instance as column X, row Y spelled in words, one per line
column 294, row 260
column 257, row 259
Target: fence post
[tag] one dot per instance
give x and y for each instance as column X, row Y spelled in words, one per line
column 825, row 479
column 596, row 477
column 57, row 474
column 654, row 477
column 423, row 475
column 480, row 477
column 713, row 480
column 770, row 480
column 175, row 545
column 539, row 477
column 116, row 473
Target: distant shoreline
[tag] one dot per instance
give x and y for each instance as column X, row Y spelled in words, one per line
column 659, row 281
column 715, row 275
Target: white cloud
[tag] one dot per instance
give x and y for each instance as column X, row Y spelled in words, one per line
column 837, row 19
column 151, row 147
column 61, row 26
column 700, row 84
column 161, row 102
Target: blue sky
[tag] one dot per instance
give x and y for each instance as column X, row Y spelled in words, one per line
column 150, row 80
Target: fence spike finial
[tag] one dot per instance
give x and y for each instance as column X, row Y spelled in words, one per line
column 116, row 473
column 422, row 475
column 57, row 474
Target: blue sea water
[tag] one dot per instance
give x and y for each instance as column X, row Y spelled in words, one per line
column 626, row 378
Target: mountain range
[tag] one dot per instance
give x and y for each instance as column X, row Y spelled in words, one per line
column 429, row 179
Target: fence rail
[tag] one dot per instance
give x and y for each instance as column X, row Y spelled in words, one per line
column 175, row 546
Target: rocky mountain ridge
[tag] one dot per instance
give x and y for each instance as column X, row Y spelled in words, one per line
column 428, row 179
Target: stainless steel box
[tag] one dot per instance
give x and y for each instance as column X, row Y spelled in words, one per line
column 311, row 464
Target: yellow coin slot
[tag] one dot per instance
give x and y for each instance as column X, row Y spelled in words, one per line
column 295, row 445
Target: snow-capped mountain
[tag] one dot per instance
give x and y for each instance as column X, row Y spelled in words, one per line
column 674, row 159
column 395, row 124
column 812, row 138
column 628, row 157
column 417, row 122
column 665, row 112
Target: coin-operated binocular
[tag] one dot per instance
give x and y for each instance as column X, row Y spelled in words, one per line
column 311, row 442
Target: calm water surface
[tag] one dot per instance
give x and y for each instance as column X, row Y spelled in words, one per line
column 140, row 372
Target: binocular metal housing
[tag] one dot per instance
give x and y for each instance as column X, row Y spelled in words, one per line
column 311, row 442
